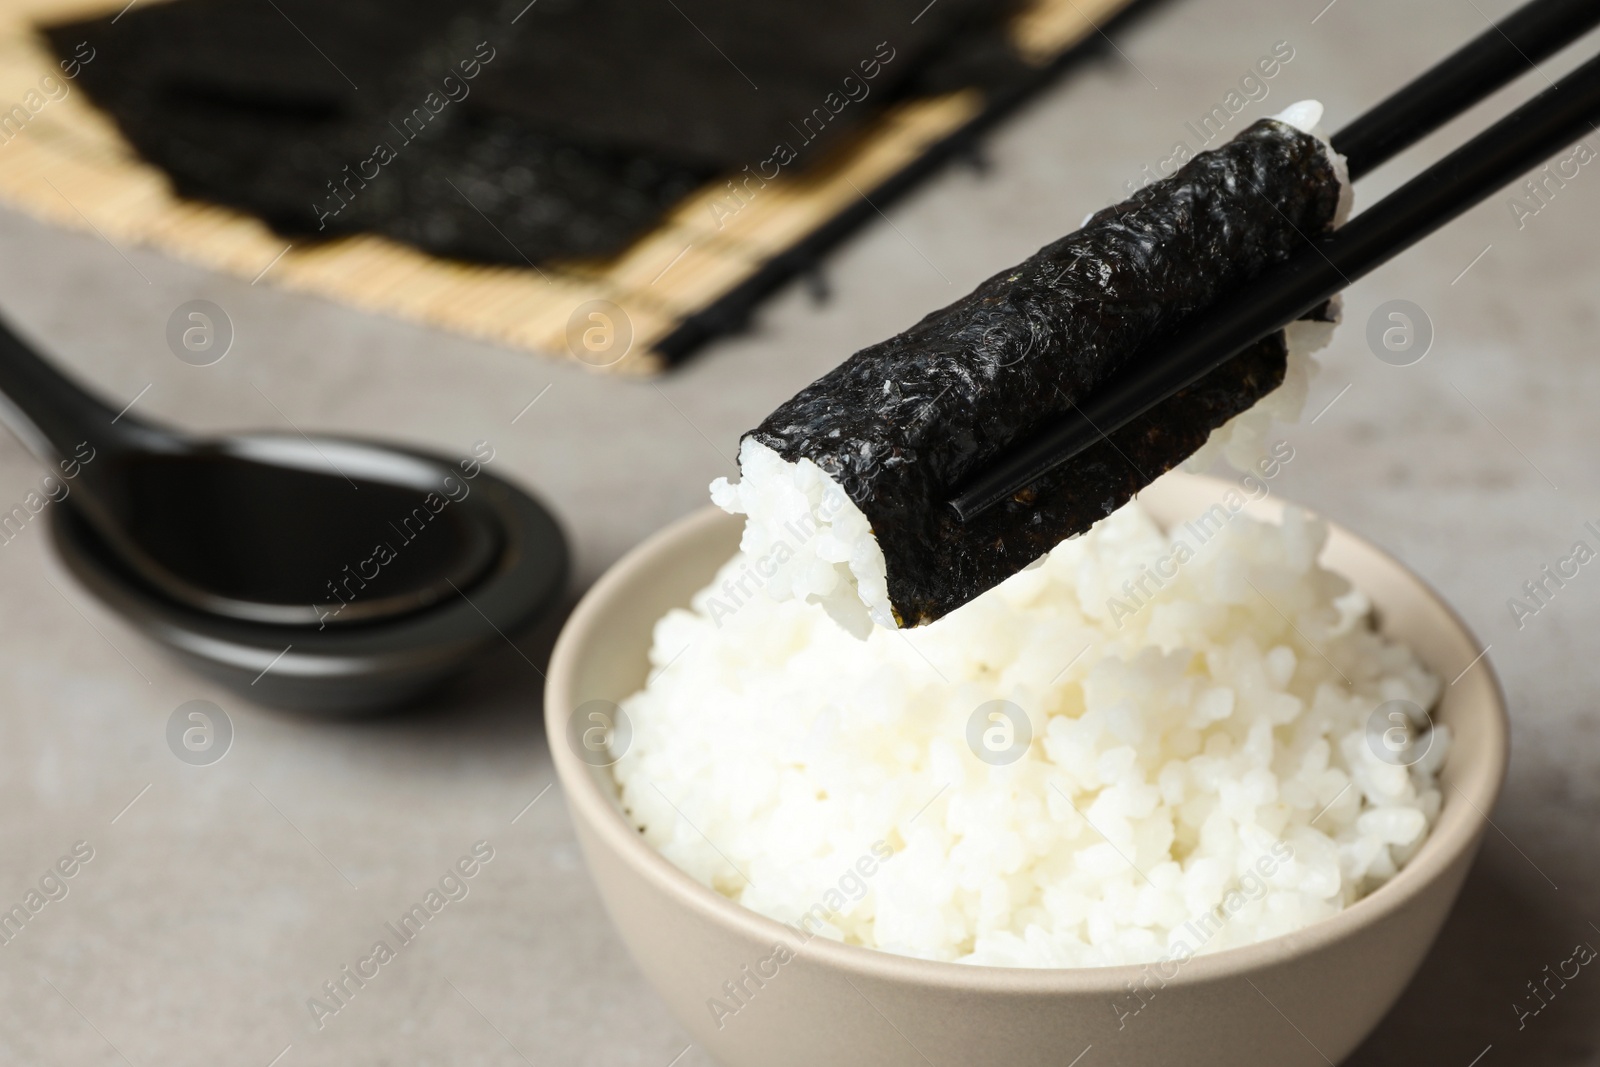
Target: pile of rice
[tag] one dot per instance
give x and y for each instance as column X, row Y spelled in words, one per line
column 1199, row 774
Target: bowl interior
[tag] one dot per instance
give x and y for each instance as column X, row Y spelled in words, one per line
column 602, row 654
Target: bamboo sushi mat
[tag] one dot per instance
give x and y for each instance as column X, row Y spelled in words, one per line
column 70, row 166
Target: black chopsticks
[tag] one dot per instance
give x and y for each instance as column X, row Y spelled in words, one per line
column 1532, row 133
column 1491, row 60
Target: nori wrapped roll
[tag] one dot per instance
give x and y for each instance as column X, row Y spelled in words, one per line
column 899, row 426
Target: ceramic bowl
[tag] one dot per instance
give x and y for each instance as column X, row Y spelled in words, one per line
column 1308, row 998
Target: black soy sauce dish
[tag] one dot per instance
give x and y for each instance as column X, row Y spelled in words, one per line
column 321, row 574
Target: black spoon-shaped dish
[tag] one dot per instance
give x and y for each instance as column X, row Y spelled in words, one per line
column 354, row 667
column 323, row 574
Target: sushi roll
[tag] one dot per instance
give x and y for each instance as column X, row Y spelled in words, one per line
column 845, row 486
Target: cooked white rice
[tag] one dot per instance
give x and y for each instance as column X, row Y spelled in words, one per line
column 1199, row 774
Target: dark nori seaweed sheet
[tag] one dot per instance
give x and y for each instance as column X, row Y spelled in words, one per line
column 593, row 118
column 720, row 82
column 992, row 547
column 226, row 101
column 903, row 423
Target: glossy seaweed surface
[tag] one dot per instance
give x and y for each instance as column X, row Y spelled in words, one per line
column 903, row 423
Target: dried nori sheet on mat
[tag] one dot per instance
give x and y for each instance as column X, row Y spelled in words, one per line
column 584, row 121
column 902, row 424
column 714, row 81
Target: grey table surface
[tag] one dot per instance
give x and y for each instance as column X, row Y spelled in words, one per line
column 220, row 898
